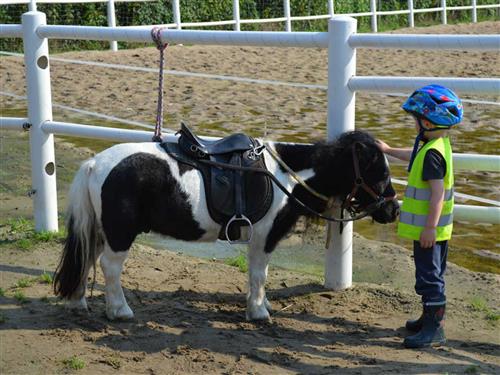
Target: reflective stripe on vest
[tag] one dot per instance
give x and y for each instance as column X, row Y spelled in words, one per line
column 421, row 220
column 415, row 208
column 425, row 194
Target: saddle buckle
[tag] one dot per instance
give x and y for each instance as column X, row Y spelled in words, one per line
column 259, row 150
column 235, row 219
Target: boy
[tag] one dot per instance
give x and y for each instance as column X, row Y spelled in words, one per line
column 427, row 210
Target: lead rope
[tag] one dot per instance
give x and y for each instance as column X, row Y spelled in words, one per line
column 156, row 35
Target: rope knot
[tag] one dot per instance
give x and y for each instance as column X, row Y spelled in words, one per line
column 156, row 35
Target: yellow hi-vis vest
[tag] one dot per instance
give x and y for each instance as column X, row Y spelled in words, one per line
column 415, row 209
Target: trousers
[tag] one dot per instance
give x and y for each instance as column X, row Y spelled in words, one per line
column 430, row 266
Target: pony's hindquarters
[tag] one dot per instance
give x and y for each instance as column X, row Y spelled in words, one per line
column 84, row 239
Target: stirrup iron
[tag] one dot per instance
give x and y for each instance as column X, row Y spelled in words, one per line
column 246, row 220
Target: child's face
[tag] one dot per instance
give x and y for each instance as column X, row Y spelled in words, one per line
column 426, row 124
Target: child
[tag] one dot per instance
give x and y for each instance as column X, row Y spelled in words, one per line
column 427, row 211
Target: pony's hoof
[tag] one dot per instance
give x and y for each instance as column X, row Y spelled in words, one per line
column 120, row 313
column 258, row 313
column 268, row 305
column 79, row 305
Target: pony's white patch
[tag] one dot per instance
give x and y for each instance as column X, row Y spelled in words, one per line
column 191, row 182
column 112, row 266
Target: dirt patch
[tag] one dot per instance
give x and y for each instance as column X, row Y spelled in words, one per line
column 190, row 319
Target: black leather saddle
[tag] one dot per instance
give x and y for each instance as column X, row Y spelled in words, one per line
column 235, row 198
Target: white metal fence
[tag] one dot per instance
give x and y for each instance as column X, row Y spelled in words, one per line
column 341, row 41
column 287, row 18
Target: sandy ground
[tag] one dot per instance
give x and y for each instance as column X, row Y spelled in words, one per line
column 190, row 319
column 190, row 312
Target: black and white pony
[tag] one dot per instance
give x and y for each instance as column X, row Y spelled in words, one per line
column 133, row 188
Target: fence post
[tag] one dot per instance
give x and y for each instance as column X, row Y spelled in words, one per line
column 373, row 10
column 112, row 23
column 176, row 9
column 43, row 173
column 411, row 15
column 340, row 118
column 474, row 11
column 236, row 14
column 331, row 8
column 443, row 12
column 288, row 22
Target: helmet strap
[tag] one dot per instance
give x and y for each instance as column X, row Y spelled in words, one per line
column 418, row 138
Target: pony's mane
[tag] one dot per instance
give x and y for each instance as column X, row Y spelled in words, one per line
column 343, row 142
column 347, row 139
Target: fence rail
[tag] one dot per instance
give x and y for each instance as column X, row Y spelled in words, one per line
column 341, row 41
column 287, row 18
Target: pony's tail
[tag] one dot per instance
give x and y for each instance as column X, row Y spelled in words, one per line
column 82, row 241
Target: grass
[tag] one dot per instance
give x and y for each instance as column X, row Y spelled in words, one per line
column 240, row 261
column 19, row 225
column 2, row 292
column 20, row 297
column 479, row 304
column 493, row 316
column 74, row 363
column 45, row 236
column 24, row 282
column 22, row 234
column 471, row 370
column 45, row 278
column 24, row 244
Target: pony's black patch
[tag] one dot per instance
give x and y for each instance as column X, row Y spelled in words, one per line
column 293, row 155
column 334, row 176
column 183, row 168
column 139, row 195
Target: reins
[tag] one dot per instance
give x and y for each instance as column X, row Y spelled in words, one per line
column 375, row 205
column 156, row 35
column 297, row 178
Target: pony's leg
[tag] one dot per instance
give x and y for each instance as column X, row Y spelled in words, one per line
column 78, row 301
column 112, row 265
column 258, row 307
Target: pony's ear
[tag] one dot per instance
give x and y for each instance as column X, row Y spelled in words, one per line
column 359, row 146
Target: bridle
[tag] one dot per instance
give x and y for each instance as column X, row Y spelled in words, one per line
column 350, row 205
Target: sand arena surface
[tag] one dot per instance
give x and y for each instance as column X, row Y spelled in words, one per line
column 190, row 312
column 219, row 107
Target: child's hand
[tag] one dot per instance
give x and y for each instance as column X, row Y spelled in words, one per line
column 428, row 238
column 384, row 147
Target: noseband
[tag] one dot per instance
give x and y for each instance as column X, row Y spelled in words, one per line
column 349, row 204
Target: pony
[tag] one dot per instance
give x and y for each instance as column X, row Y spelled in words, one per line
column 132, row 188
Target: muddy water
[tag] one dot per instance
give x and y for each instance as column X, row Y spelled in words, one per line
column 470, row 244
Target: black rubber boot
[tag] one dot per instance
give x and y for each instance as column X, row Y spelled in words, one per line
column 415, row 325
column 432, row 331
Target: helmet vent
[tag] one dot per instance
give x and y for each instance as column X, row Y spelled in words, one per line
column 453, row 111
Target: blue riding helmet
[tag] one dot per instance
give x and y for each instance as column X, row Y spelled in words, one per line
column 437, row 104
